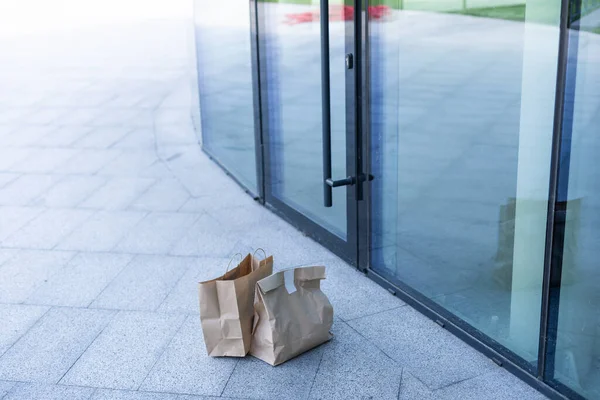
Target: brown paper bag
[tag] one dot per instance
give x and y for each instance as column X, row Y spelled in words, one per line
column 226, row 307
column 291, row 314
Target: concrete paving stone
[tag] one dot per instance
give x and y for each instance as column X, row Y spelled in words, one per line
column 140, row 138
column 47, row 229
column 156, row 233
column 143, row 284
column 255, row 379
column 47, row 351
column 118, row 193
column 16, row 320
column 102, row 137
column 27, row 270
column 81, row 281
column 195, row 205
column 88, row 161
column 111, row 394
column 115, row 117
column 10, row 156
column 124, row 353
column 45, row 116
column 37, row 391
column 7, row 254
column 184, row 361
column 432, row 354
column 5, row 387
column 412, row 388
column 14, row 218
column 164, row 195
column 353, row 368
column 192, row 397
column 70, row 191
column 498, row 385
column 103, row 231
column 184, row 296
column 25, row 188
column 43, row 160
column 63, row 136
column 77, row 116
column 26, row 136
column 6, row 178
column 131, row 163
column 207, row 238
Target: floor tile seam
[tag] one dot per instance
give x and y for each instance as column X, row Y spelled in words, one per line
column 93, row 213
column 400, row 383
column 129, row 206
column 110, row 283
column 183, row 233
column 108, row 322
column 372, row 343
column 376, row 312
column 38, row 214
column 162, row 254
column 162, row 351
column 18, row 175
column 237, row 361
column 461, row 381
column 175, row 284
column 314, row 380
column 37, row 322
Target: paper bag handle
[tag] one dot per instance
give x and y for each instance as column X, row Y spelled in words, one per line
column 260, row 249
column 236, row 254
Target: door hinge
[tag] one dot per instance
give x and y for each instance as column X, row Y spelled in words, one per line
column 349, row 61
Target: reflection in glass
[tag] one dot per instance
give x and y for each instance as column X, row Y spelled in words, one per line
column 462, row 105
column 225, row 85
column 292, row 38
column 576, row 352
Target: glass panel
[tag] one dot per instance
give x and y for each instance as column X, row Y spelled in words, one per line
column 462, row 106
column 225, row 85
column 577, row 359
column 293, row 62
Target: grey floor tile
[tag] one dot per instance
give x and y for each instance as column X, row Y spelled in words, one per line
column 165, row 195
column 141, row 138
column 131, row 163
column 411, row 388
column 27, row 136
column 14, row 218
column 11, row 156
column 47, row 351
column 185, row 359
column 37, row 391
column 208, row 238
column 102, row 232
column 157, row 233
column 7, row 254
column 64, row 136
column 351, row 367
column 500, row 385
column 26, row 188
column 255, row 379
column 26, row 271
column 122, row 356
column 118, row 193
column 102, row 137
column 43, row 160
column 7, row 177
column 16, row 320
column 87, row 161
column 48, row 229
column 81, row 281
column 351, row 294
column 112, row 394
column 430, row 353
column 70, row 191
column 184, row 296
column 143, row 284
column 5, row 387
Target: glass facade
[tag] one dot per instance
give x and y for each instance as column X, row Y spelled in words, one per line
column 476, row 123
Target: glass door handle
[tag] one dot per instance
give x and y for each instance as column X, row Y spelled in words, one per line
column 326, row 104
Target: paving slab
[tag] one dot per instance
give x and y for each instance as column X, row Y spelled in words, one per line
column 430, row 353
column 14, row 218
column 185, row 360
column 27, row 270
column 102, row 232
column 143, row 284
column 124, row 353
column 37, row 391
column 118, row 193
column 165, row 195
column 47, row 351
column 111, row 394
column 81, row 281
column 47, row 229
column 412, row 388
column 23, row 190
column 5, row 387
column 156, row 233
column 87, row 161
column 16, row 320
column 354, row 368
column 207, row 238
column 70, row 191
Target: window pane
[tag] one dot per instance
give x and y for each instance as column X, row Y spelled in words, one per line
column 225, row 85
column 462, row 112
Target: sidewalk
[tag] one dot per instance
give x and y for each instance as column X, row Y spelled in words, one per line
column 109, row 216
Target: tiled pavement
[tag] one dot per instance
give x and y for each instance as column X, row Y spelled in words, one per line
column 110, row 214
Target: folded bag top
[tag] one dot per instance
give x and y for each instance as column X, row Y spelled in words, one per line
column 291, row 314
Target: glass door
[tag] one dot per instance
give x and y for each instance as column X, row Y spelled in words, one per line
column 307, row 79
column 462, row 104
